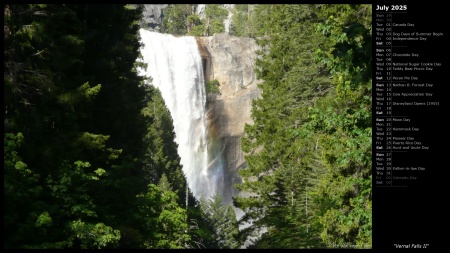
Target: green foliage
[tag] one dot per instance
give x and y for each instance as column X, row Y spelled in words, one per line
column 194, row 20
column 160, row 156
column 215, row 15
column 309, row 148
column 162, row 219
column 164, row 183
column 75, row 154
column 222, row 218
column 176, row 19
column 180, row 19
column 20, row 186
column 344, row 124
column 78, row 159
column 213, row 86
column 198, row 30
column 277, row 177
column 44, row 219
column 200, row 229
column 94, row 235
column 241, row 21
column 195, row 25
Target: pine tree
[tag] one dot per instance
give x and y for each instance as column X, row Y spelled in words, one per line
column 222, row 218
column 345, row 191
column 292, row 82
column 75, row 132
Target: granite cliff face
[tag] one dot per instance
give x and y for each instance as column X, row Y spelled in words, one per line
column 231, row 62
column 152, row 16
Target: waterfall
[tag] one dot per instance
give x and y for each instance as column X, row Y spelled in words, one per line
column 175, row 65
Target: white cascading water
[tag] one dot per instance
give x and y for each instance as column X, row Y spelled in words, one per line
column 175, row 65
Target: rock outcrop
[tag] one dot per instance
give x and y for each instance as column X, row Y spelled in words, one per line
column 200, row 10
column 152, row 16
column 232, row 63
